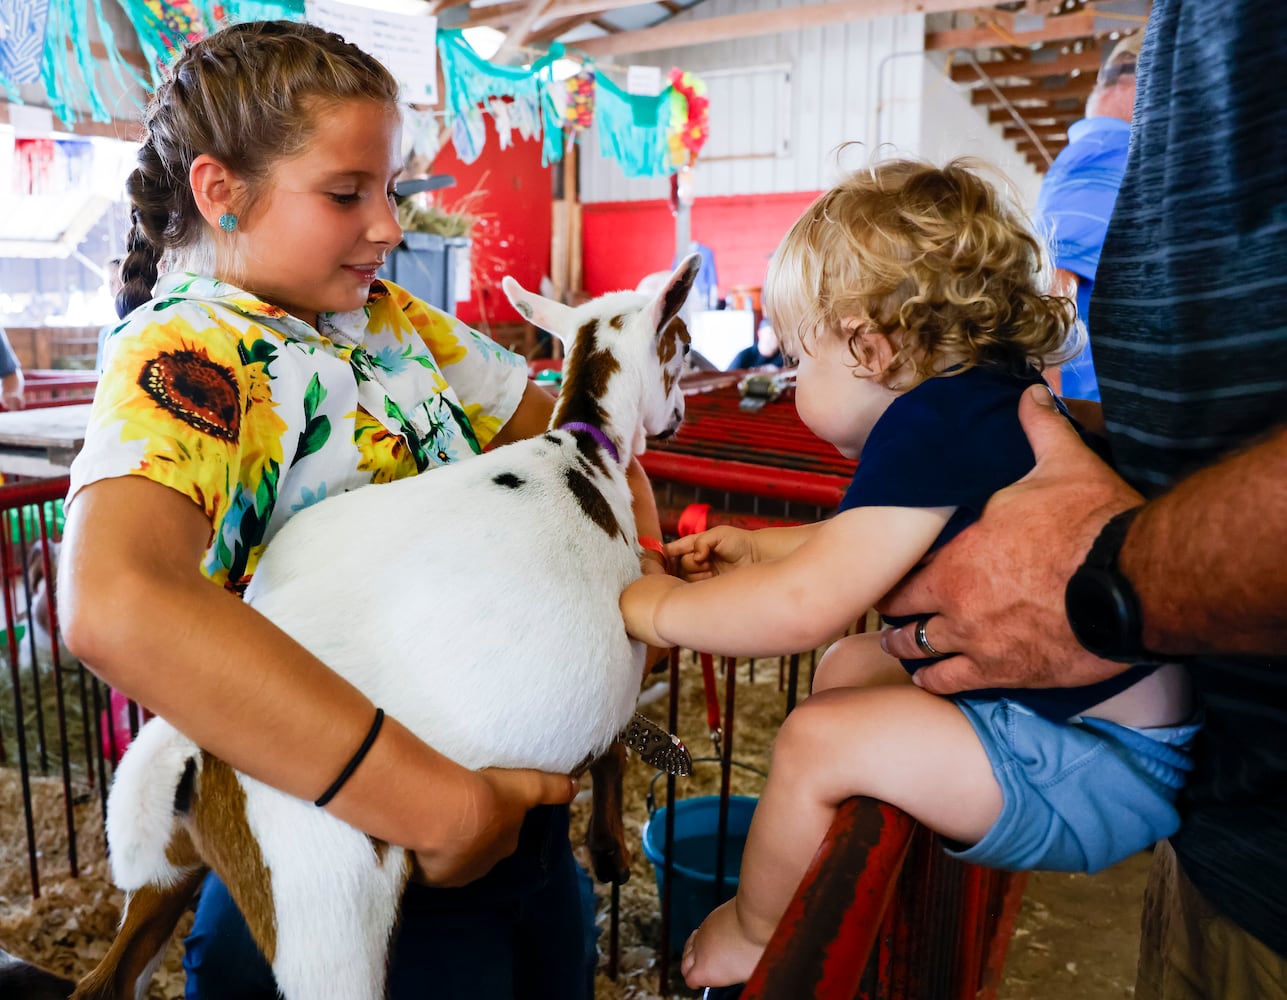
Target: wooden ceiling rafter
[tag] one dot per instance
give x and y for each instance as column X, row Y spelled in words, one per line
column 1056, row 29
column 499, row 16
column 1035, row 116
column 1045, row 133
column 436, row 7
column 729, row 27
column 516, row 34
column 1027, row 67
column 562, row 8
column 1077, row 88
column 551, row 30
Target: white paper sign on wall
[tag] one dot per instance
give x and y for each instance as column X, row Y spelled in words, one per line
column 643, row 80
column 405, row 43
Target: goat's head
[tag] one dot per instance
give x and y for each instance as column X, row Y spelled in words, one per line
column 624, row 354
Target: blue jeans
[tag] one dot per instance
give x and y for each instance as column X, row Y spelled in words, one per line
column 522, row 932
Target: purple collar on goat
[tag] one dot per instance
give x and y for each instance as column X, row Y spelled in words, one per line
column 595, row 433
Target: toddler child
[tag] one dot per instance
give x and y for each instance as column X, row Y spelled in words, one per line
column 915, row 300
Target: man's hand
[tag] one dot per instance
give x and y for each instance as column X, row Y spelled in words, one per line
column 996, row 591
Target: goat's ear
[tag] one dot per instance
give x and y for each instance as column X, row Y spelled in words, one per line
column 675, row 293
column 553, row 317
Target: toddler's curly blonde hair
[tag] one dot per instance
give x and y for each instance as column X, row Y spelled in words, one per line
column 933, row 258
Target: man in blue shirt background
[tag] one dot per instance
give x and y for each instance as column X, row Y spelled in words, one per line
column 1078, row 193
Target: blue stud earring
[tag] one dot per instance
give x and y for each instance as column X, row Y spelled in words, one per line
column 227, row 222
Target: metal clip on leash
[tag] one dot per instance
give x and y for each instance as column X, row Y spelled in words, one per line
column 712, row 701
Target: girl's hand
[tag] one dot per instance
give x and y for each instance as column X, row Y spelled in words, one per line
column 712, row 552
column 488, row 823
column 639, row 607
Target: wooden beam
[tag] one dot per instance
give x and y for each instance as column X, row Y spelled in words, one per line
column 518, row 31
column 673, row 34
column 561, row 26
column 118, row 128
column 1044, row 133
column 566, row 8
column 1002, row 116
column 498, row 16
column 1052, row 147
column 1056, row 29
column 134, row 57
column 1078, row 88
column 1026, row 66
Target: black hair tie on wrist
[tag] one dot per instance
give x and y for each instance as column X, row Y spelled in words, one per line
column 354, row 761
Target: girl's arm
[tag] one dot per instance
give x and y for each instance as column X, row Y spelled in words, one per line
column 530, row 418
column 135, row 605
column 794, row 603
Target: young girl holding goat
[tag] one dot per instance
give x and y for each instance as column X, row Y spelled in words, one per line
column 915, row 300
column 260, row 367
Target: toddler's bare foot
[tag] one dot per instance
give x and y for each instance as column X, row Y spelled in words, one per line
column 719, row 953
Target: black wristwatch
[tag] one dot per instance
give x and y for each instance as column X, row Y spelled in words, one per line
column 1100, row 602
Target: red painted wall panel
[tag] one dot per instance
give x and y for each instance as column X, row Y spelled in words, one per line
column 622, row 241
column 625, row 240
column 514, row 235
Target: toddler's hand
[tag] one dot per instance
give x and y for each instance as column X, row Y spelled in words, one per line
column 712, row 552
column 639, row 607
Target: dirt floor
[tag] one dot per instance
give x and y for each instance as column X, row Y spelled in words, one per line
column 1075, row 938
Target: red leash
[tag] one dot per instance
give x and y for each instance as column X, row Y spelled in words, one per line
column 693, row 521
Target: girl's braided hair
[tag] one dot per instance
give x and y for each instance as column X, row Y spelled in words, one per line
column 247, row 95
column 933, row 258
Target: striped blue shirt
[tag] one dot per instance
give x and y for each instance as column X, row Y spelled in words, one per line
column 1190, row 332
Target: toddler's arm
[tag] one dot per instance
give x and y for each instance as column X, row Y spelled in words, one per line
column 724, row 548
column 793, row 603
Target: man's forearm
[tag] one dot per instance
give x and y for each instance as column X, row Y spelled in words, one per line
column 1209, row 558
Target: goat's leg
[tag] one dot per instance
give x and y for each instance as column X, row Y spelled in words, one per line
column 335, row 895
column 606, row 834
column 151, row 914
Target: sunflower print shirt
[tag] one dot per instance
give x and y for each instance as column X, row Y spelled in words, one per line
column 255, row 415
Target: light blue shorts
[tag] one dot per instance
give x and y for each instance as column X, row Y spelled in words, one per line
column 1078, row 796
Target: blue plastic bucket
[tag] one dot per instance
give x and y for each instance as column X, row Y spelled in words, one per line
column 694, row 894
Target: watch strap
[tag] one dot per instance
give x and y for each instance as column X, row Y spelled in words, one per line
column 1108, row 543
column 1100, row 602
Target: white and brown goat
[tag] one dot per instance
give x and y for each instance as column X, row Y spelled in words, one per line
column 485, row 618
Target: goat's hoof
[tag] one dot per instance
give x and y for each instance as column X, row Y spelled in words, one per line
column 611, row 867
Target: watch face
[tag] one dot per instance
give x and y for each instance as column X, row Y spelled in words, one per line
column 1102, row 614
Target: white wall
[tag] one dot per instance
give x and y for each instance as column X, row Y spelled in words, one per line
column 847, row 83
column 868, row 82
column 951, row 126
